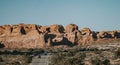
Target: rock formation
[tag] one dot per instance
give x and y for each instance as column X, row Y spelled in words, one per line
column 37, row 36
column 56, row 28
column 86, row 35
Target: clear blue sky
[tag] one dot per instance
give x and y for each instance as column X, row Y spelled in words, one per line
column 96, row 14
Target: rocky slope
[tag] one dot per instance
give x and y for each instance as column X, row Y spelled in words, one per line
column 37, row 36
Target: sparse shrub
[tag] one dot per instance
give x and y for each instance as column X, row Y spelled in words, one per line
column 14, row 63
column 30, row 50
column 6, row 52
column 73, row 61
column 71, row 57
column 80, row 55
column 117, row 53
column 35, row 51
column 28, row 59
column 96, row 61
column 98, row 52
column 56, row 58
column 106, row 62
column 15, row 52
column 1, row 60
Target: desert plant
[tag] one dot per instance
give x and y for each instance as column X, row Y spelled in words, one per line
column 30, row 50
column 14, row 63
column 1, row 59
column 71, row 57
column 27, row 59
column 80, row 55
column 106, row 62
column 117, row 53
column 73, row 61
column 96, row 61
column 15, row 52
column 6, row 52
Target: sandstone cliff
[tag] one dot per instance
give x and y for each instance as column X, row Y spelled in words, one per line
column 37, row 36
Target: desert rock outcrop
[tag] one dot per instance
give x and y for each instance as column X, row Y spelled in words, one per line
column 37, row 36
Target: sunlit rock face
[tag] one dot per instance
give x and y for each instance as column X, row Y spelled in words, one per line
column 71, row 28
column 37, row 36
column 56, row 28
column 5, row 30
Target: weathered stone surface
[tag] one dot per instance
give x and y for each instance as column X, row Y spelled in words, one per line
column 86, row 35
column 56, row 28
column 44, row 29
column 71, row 28
column 85, row 31
column 5, row 30
column 37, row 36
column 101, row 35
column 15, row 30
column 2, row 30
column 71, row 34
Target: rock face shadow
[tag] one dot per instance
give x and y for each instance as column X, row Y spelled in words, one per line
column 2, row 45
